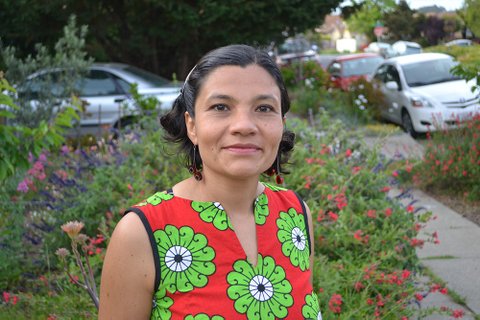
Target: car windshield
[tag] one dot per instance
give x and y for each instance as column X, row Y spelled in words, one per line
column 360, row 66
column 429, row 72
column 151, row 78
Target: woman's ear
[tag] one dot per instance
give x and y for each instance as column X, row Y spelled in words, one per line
column 191, row 129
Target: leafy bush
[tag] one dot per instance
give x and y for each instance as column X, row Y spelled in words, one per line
column 452, row 159
column 365, row 101
column 69, row 55
column 304, row 73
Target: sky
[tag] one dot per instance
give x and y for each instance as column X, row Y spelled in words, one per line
column 450, row 5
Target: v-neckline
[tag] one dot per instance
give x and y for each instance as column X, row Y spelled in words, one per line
column 229, row 223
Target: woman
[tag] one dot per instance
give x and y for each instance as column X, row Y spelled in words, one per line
column 218, row 245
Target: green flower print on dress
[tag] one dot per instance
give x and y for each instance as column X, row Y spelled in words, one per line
column 203, row 316
column 273, row 187
column 262, row 292
column 311, row 309
column 293, row 236
column 212, row 212
column 186, row 258
column 261, row 209
column 156, row 199
column 161, row 303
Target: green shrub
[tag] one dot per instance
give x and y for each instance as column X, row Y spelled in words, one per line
column 69, row 54
column 452, row 159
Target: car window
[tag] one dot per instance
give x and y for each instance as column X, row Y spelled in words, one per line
column 42, row 86
column 361, row 66
column 380, row 75
column 98, row 83
column 335, row 69
column 429, row 72
column 391, row 74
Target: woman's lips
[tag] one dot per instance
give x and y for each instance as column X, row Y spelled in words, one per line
column 243, row 148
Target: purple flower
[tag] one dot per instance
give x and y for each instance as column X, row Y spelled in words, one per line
column 23, row 186
column 42, row 157
column 65, row 150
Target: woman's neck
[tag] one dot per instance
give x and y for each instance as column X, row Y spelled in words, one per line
column 235, row 195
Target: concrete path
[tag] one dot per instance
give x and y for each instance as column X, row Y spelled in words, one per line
column 456, row 259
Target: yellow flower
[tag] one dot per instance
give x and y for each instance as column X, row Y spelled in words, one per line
column 72, row 228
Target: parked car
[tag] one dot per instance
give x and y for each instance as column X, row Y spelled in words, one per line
column 295, row 50
column 422, row 94
column 382, row 48
column 105, row 90
column 459, row 42
column 345, row 69
column 401, row 48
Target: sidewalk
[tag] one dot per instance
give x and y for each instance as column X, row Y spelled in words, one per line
column 456, row 259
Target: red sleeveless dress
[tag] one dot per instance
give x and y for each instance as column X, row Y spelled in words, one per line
column 202, row 271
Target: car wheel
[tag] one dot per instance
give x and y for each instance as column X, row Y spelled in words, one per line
column 408, row 125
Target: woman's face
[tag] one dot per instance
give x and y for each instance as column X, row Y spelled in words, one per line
column 238, row 123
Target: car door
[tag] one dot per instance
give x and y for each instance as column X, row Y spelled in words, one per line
column 388, row 80
column 104, row 98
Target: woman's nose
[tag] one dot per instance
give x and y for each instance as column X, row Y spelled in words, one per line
column 243, row 122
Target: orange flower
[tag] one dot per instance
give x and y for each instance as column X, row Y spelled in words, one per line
column 72, row 228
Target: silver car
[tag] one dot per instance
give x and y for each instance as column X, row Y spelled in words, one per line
column 105, row 91
column 422, row 94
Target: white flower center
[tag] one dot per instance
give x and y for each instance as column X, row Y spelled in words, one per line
column 178, row 258
column 218, row 205
column 261, row 288
column 298, row 239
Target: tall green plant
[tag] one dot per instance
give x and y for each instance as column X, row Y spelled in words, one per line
column 70, row 61
column 18, row 142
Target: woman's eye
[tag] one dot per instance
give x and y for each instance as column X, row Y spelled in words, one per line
column 220, row 107
column 265, row 108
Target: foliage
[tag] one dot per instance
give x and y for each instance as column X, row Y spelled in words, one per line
column 69, row 55
column 19, row 141
column 365, row 101
column 472, row 15
column 140, row 33
column 452, row 159
column 365, row 239
column 363, row 18
column 433, row 29
column 401, row 23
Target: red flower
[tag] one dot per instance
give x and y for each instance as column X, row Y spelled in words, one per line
column 395, row 173
column 333, row 215
column 388, row 212
column 14, row 300
column 405, row 274
column 358, row 235
column 410, row 209
column 6, row 296
column 444, row 291
column 458, row 313
column 385, row 189
column 335, row 303
column 348, row 153
column 358, row 286
column 419, row 296
column 372, row 214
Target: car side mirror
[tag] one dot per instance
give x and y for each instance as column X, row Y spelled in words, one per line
column 391, row 85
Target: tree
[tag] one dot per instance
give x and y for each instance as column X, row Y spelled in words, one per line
column 364, row 14
column 472, row 15
column 401, row 23
column 164, row 36
column 432, row 29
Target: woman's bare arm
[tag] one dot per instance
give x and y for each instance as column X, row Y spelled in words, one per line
column 128, row 273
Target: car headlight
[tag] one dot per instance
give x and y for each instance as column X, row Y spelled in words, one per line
column 420, row 102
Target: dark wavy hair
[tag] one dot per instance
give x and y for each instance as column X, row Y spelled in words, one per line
column 233, row 55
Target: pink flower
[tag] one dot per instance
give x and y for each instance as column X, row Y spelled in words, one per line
column 65, row 150
column 372, row 214
column 42, row 157
column 72, row 228
column 6, row 296
column 23, row 186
